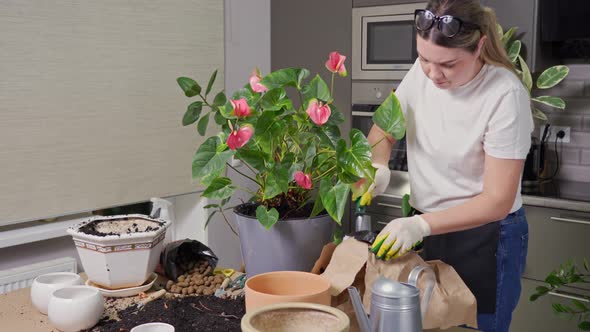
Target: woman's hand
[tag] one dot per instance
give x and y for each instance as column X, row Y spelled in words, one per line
column 382, row 176
column 399, row 236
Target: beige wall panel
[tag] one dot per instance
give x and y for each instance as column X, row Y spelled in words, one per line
column 90, row 111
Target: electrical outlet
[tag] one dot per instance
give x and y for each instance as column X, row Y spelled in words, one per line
column 553, row 132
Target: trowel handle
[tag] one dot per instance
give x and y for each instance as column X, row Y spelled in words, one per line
column 413, row 280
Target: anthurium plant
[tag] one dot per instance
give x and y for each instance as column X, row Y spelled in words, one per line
column 301, row 165
column 549, row 78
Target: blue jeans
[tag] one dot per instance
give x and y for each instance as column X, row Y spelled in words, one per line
column 511, row 259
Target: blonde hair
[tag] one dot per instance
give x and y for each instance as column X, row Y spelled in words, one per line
column 470, row 11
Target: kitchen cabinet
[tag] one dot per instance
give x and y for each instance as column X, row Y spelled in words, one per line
column 382, row 210
column 555, row 236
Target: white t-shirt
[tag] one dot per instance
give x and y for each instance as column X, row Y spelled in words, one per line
column 448, row 133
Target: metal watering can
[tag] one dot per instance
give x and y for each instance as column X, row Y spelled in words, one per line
column 395, row 306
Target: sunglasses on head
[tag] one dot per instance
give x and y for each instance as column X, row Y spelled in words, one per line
column 448, row 25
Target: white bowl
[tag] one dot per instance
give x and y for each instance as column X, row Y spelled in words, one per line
column 46, row 284
column 125, row 292
column 153, row 327
column 119, row 261
column 75, row 308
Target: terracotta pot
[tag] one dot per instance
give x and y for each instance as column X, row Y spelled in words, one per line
column 290, row 245
column 309, row 317
column 286, row 286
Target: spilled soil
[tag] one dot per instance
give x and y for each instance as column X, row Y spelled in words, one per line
column 190, row 313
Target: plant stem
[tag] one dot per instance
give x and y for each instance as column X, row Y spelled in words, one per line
column 244, row 175
column 379, row 141
column 332, row 86
column 326, row 172
column 229, row 224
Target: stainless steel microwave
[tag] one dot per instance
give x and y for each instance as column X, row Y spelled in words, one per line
column 383, row 41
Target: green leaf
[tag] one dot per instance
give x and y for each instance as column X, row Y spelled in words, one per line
column 585, row 325
column 219, row 119
column 552, row 76
column 219, row 188
column 586, row 265
column 537, row 113
column 209, row 177
column 336, row 117
column 285, row 77
column 310, row 153
column 334, row 198
column 348, row 177
column 390, row 118
column 318, row 89
column 267, row 218
column 558, row 307
column 338, row 235
column 551, row 101
column 254, row 158
column 355, row 159
column 329, row 135
column 275, row 100
column 192, row 113
column 499, row 30
column 277, row 181
column 508, row 36
column 553, row 280
column 318, row 207
column 526, row 78
column 202, row 125
column 208, row 160
column 542, row 290
column 269, row 129
column 580, row 305
column 189, row 86
column 209, row 218
column 514, row 51
column 534, row 297
column 406, row 207
column 208, row 206
column 219, row 99
column 211, row 81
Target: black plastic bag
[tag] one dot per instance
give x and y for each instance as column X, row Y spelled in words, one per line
column 178, row 252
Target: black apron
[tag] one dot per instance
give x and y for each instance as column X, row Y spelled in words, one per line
column 472, row 253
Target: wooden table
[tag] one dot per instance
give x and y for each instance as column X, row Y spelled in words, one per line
column 18, row 314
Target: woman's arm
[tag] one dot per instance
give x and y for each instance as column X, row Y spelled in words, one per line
column 500, row 185
column 382, row 143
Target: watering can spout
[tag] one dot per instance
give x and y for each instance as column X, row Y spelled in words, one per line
column 361, row 316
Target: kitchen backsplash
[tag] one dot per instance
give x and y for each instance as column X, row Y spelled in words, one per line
column 575, row 155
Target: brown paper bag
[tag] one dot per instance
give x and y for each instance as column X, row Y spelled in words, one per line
column 451, row 303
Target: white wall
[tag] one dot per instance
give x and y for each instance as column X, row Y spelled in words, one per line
column 247, row 45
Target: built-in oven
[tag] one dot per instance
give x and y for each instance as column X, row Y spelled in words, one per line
column 383, row 41
column 366, row 98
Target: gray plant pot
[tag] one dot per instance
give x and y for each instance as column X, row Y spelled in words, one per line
column 290, row 245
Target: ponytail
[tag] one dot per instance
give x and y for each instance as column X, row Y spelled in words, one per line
column 493, row 51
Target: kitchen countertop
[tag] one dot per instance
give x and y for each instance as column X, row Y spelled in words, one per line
column 558, row 194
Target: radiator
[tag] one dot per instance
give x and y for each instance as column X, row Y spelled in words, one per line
column 22, row 277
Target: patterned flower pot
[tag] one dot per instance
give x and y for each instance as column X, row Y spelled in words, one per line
column 119, row 251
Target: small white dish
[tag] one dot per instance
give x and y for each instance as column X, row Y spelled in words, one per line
column 153, row 327
column 46, row 284
column 125, row 292
column 75, row 308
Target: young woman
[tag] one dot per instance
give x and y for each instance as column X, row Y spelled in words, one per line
column 469, row 123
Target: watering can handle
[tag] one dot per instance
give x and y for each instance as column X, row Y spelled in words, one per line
column 413, row 280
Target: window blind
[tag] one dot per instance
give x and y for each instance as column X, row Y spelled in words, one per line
column 90, row 111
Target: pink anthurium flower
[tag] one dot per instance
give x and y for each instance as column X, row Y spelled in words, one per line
column 241, row 107
column 239, row 138
column 255, row 81
column 303, row 180
column 336, row 64
column 318, row 112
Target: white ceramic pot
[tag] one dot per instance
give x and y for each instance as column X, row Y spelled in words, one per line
column 153, row 327
column 75, row 308
column 123, row 260
column 46, row 284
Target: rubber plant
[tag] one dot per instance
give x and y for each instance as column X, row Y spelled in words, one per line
column 293, row 146
column 549, row 78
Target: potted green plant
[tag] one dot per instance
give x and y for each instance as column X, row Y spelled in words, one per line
column 568, row 275
column 549, row 78
column 301, row 166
